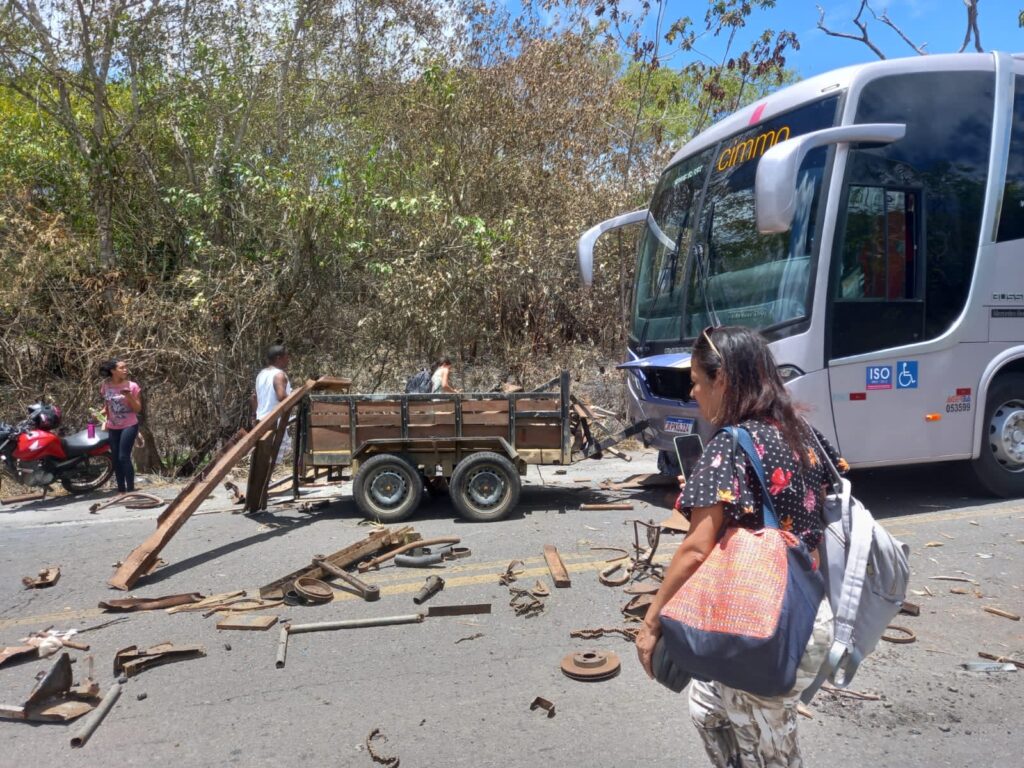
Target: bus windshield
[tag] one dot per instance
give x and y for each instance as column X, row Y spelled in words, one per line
column 702, row 261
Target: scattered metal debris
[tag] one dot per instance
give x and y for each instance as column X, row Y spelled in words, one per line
column 910, row 609
column 128, row 604
column 47, row 577
column 989, row 666
column 82, row 734
column 133, row 500
column 369, row 592
column 542, row 703
column 1000, row 612
column 237, row 497
column 524, row 603
column 376, row 735
column 130, row 661
column 629, row 633
column 623, row 505
column 328, row 626
column 377, row 561
column 53, row 699
column 459, row 610
column 313, row 590
column 953, row 578
column 637, row 607
column 1002, row 659
column 850, row 694
column 433, row 585
column 379, row 539
column 209, row 602
column 615, row 575
column 477, row 636
column 511, row 572
column 540, row 589
column 903, row 635
column 24, row 497
column 15, row 651
column 591, row 666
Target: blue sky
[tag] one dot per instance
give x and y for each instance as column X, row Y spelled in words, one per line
column 940, row 23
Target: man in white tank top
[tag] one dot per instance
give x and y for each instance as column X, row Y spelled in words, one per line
column 272, row 386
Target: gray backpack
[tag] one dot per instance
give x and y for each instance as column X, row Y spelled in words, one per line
column 867, row 572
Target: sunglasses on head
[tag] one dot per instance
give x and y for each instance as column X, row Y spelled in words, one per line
column 707, row 335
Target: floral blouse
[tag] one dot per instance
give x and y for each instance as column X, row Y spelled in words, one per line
column 797, row 494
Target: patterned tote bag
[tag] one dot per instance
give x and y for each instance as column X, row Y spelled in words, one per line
column 745, row 615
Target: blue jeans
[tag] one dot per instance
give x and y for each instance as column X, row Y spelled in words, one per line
column 121, row 442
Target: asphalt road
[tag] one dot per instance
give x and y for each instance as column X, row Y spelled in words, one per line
column 456, row 691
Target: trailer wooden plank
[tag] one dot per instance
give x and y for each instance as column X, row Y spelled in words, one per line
column 484, row 406
column 547, row 404
column 179, row 510
column 556, row 567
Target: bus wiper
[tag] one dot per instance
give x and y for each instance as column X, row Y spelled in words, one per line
column 672, row 249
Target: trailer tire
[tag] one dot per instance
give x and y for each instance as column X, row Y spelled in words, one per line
column 387, row 488
column 1000, row 465
column 485, row 487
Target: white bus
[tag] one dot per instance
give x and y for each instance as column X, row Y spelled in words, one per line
column 869, row 222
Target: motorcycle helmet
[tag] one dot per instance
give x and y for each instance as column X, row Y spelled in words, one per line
column 44, row 416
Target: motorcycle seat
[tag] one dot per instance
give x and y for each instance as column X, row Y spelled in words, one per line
column 80, row 443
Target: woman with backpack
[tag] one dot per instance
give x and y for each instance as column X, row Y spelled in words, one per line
column 439, row 379
column 737, row 384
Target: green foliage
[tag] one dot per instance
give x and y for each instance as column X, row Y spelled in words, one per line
column 370, row 183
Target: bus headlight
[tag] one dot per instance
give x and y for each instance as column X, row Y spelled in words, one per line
column 789, row 373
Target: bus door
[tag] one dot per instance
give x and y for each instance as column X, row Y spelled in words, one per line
column 878, row 304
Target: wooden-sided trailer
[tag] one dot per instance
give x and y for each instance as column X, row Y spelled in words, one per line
column 480, row 443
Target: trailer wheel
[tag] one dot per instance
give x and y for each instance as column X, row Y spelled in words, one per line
column 387, row 488
column 485, row 487
column 1000, row 466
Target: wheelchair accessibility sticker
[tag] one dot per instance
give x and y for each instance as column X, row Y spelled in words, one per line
column 906, row 374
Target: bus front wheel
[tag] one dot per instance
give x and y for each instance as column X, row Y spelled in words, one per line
column 1000, row 466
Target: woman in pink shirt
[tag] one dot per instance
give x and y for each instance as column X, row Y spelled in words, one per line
column 121, row 403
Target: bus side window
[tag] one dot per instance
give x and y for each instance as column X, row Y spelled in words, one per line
column 908, row 232
column 1011, row 219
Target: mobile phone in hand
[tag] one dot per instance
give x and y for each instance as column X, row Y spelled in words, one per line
column 688, row 451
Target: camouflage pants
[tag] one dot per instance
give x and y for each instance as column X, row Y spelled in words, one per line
column 741, row 730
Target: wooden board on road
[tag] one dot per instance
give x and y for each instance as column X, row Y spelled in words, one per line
column 188, row 501
column 555, row 565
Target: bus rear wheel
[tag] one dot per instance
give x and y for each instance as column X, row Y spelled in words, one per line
column 1000, row 466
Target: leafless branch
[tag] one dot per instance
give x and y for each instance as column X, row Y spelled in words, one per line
column 972, row 26
column 862, row 26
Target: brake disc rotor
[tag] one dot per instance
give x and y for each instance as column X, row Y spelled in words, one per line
column 591, row 665
column 313, row 590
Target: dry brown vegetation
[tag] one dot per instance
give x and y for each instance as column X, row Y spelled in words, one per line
column 182, row 184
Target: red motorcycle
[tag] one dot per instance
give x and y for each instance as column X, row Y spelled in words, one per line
column 33, row 454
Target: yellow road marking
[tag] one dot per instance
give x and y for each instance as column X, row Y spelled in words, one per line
column 399, row 584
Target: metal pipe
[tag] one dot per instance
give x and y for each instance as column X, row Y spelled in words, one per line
column 94, row 718
column 326, row 626
column 282, row 647
column 433, row 585
column 363, row 567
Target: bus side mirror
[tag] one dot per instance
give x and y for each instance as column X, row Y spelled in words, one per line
column 775, row 193
column 585, row 246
